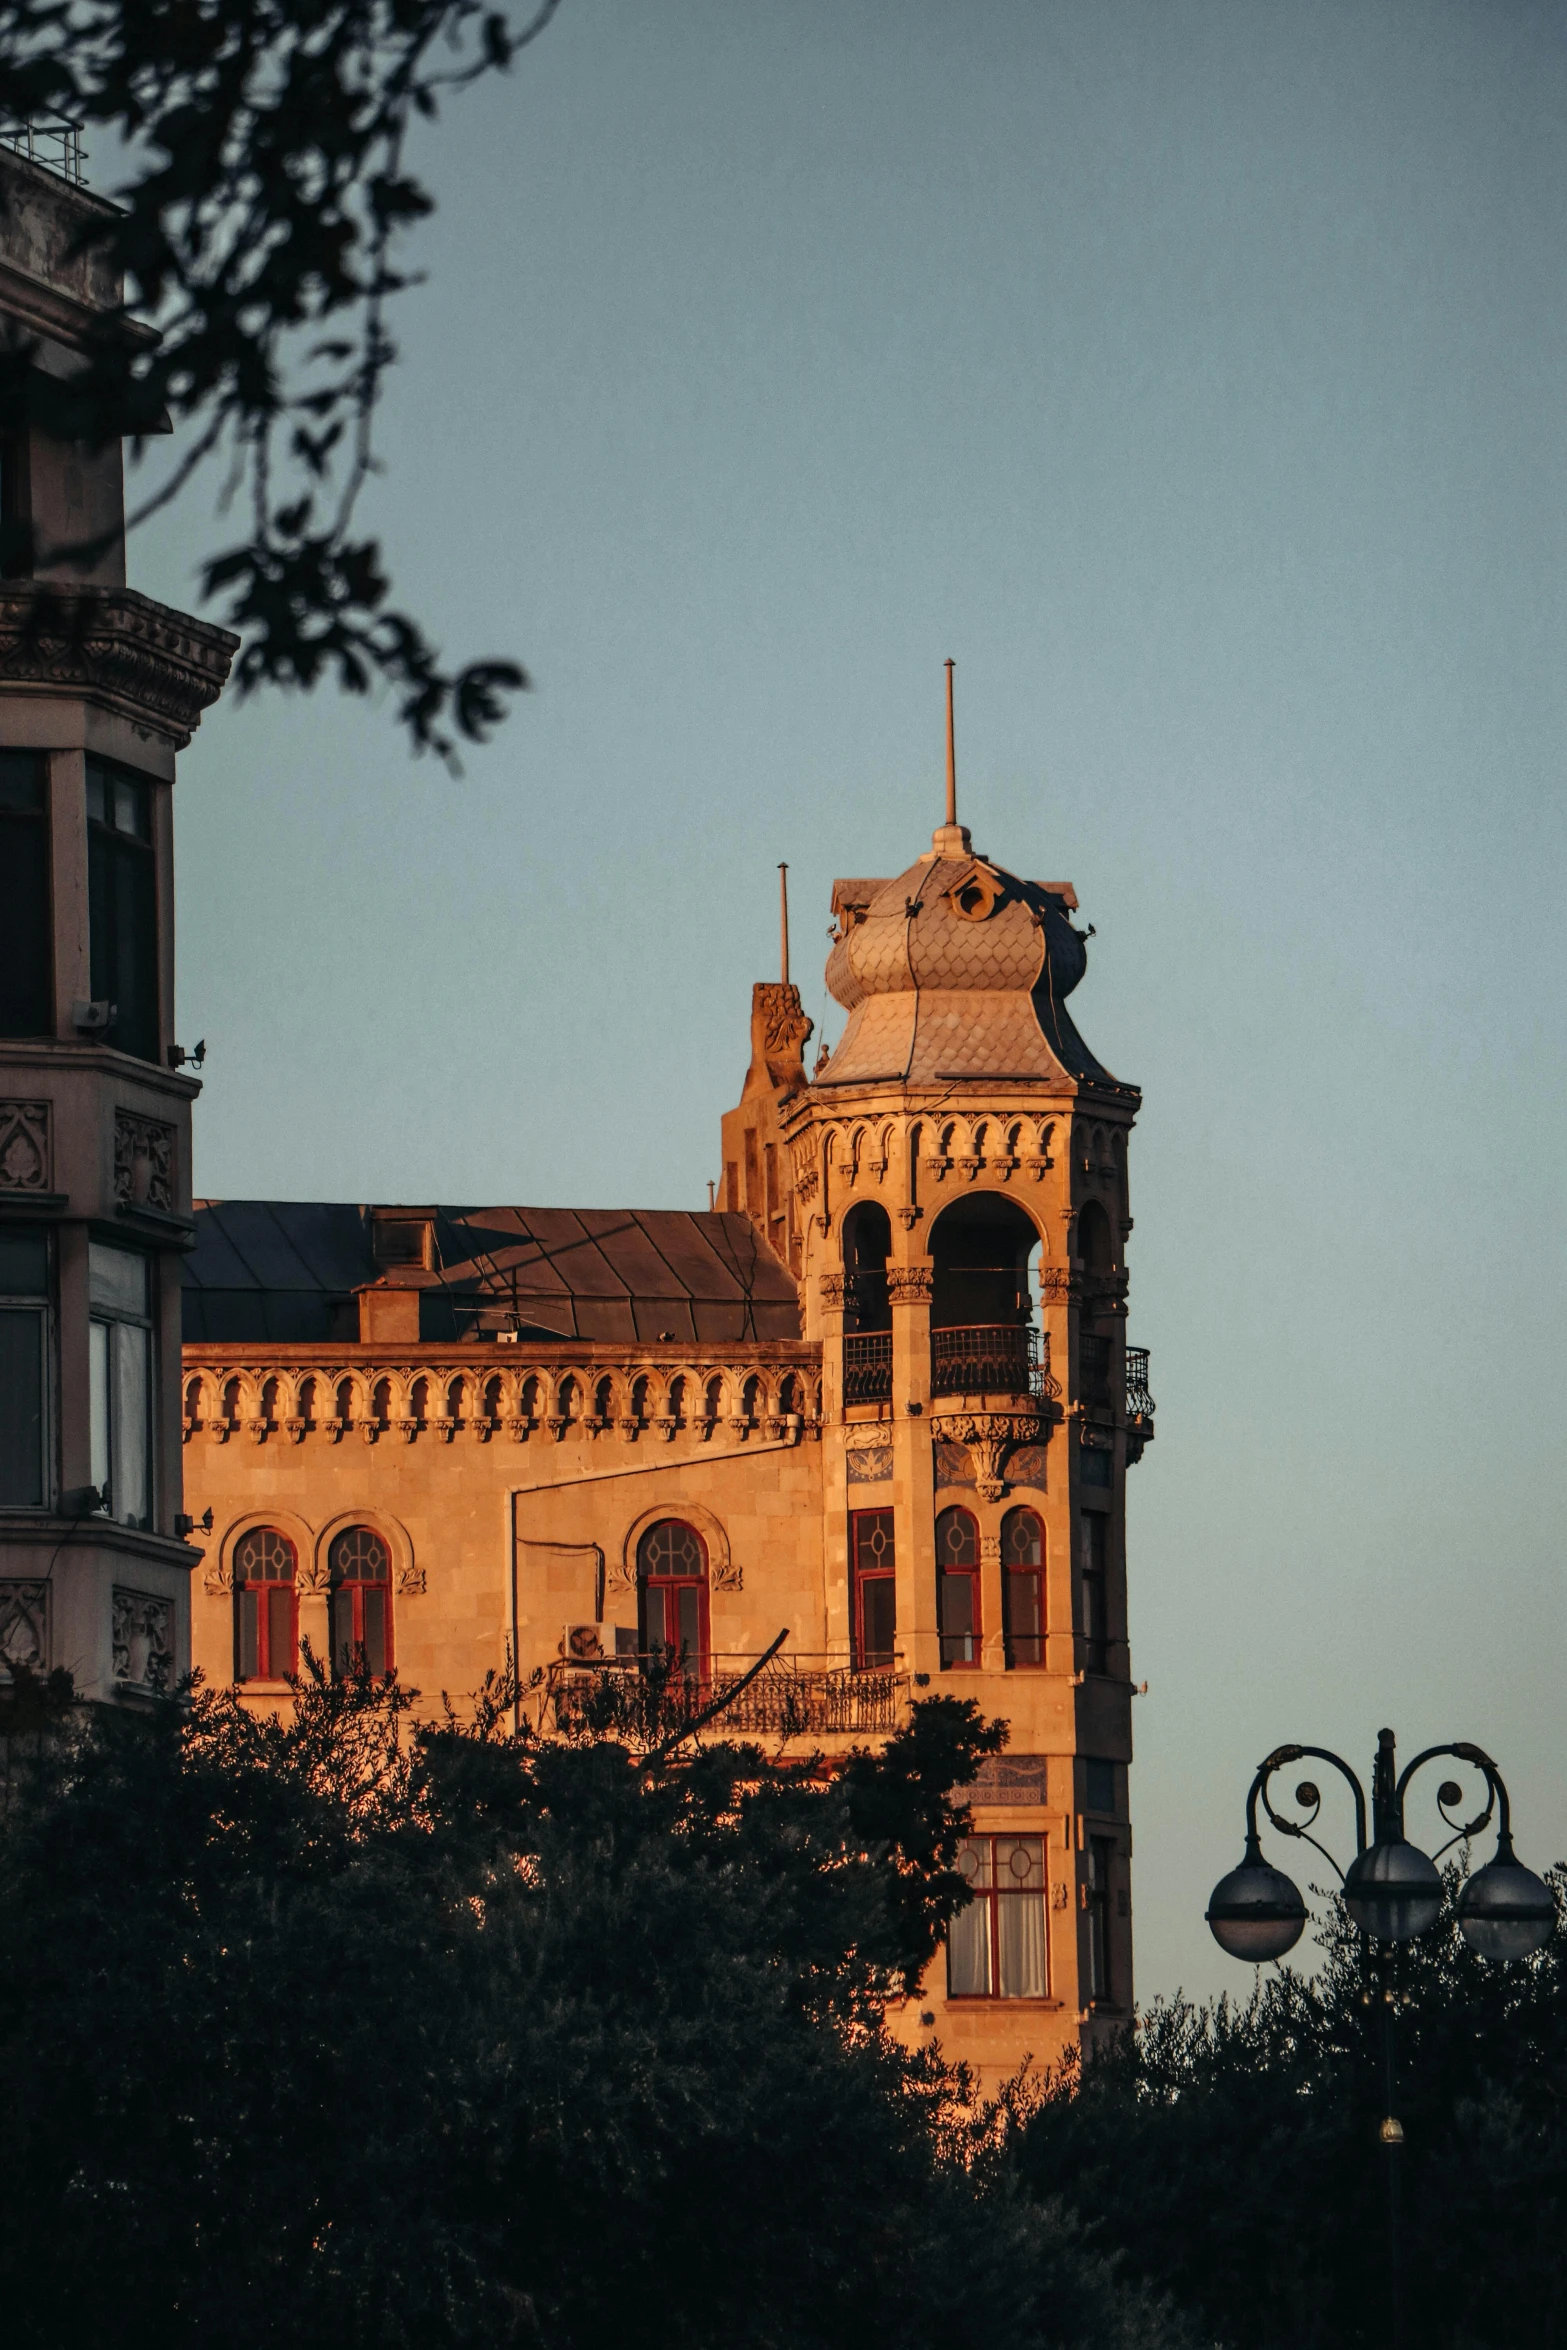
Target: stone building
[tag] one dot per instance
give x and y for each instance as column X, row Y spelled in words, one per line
column 100, row 688
column 877, row 1401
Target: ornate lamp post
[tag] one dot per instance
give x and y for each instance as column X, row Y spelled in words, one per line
column 1393, row 1894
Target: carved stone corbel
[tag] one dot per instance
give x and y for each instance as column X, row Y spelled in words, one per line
column 989, row 1436
column 910, row 1285
column 411, row 1579
column 834, row 1289
column 628, row 1429
column 294, row 1430
column 218, row 1578
column 728, row 1578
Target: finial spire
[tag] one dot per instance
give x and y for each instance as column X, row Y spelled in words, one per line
column 951, row 839
column 952, row 754
column 783, row 917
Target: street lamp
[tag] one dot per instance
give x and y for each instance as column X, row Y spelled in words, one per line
column 1393, row 1894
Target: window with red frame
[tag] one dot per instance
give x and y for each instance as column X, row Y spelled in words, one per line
column 957, row 1587
column 266, row 1616
column 997, row 1948
column 672, row 1589
column 1023, row 1587
column 360, row 1566
column 874, row 1587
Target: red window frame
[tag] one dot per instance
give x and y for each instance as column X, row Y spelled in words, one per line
column 266, row 1606
column 1023, row 1589
column 673, row 1604
column 873, row 1576
column 359, row 1562
column 991, row 1938
column 957, row 1587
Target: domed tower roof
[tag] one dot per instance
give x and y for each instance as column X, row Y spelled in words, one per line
column 957, row 968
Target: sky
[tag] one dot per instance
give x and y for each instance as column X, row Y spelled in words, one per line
column 1192, row 373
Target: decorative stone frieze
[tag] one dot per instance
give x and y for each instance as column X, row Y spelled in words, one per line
column 157, row 667
column 143, row 1163
column 25, row 1156
column 989, row 1436
column 24, row 1624
column 143, row 1637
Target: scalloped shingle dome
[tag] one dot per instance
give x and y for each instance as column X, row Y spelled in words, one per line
column 956, row 969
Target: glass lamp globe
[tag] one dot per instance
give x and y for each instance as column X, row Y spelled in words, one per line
column 1393, row 1891
column 1256, row 1912
column 1505, row 1910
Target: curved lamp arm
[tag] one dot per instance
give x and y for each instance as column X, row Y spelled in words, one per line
column 1496, row 1792
column 1259, row 1790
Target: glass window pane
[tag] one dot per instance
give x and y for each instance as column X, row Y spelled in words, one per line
column 1021, row 1934
column 968, row 1952
column 132, row 1474
column 974, row 1860
column 342, row 1629
column 26, row 923
column 878, row 1619
column 97, row 793
column 375, row 1631
column 21, row 1408
column 280, row 1631
column 1021, row 1540
column 690, row 1621
column 98, row 1388
column 130, row 807
column 24, row 1264
column 116, row 1280
column 246, row 1663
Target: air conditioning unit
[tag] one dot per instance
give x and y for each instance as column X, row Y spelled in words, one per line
column 583, row 1643
column 92, row 1019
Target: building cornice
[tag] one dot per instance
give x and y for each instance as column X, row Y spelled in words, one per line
column 144, row 661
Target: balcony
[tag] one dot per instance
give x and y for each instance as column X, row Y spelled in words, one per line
column 1139, row 1404
column 990, row 1358
column 644, row 1699
column 867, row 1366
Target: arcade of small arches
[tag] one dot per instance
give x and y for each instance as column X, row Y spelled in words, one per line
column 782, row 1403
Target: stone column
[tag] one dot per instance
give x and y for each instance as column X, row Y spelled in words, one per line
column 913, row 1467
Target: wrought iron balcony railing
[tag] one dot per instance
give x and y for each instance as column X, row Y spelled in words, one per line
column 1139, row 1399
column 644, row 1699
column 867, row 1366
column 991, row 1358
column 52, row 140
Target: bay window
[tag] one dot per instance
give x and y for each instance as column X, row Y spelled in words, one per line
column 24, row 1370
column 122, row 905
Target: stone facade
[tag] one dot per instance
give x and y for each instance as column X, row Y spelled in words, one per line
column 881, row 1391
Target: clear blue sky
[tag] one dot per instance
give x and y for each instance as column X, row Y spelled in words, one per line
column 1193, row 373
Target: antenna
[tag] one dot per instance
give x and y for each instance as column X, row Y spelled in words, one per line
column 952, row 754
column 783, row 917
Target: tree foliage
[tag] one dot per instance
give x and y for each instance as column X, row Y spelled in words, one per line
column 1231, row 2153
column 343, row 2031
column 260, row 229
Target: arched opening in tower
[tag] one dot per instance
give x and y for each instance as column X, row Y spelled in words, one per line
column 981, row 1249
column 867, row 1243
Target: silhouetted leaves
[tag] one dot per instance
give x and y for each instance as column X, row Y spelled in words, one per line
column 265, row 202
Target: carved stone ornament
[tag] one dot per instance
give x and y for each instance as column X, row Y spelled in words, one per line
column 868, row 1464
column 155, row 666
column 411, row 1579
column 24, row 1625
column 24, row 1146
column 910, row 1285
column 728, row 1578
column 218, row 1577
column 315, row 1579
column 143, row 1162
column 834, row 1288
column 989, row 1437
column 784, row 1024
column 143, row 1637
column 1055, row 1283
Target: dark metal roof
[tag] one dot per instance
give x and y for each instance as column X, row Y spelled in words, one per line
column 287, row 1270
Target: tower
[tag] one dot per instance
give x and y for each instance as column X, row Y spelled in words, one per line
column 99, row 689
column 958, row 1172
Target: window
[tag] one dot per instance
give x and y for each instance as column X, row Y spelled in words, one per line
column 122, row 899
column 24, row 1370
column 266, row 1621
column 873, row 1587
column 1099, row 1786
column 1101, row 1988
column 1023, row 1587
column 359, row 1567
column 16, row 531
column 120, row 1367
column 672, row 1587
column 1095, row 1465
column 996, row 1947
column 1092, row 1623
column 26, row 990
column 957, row 1587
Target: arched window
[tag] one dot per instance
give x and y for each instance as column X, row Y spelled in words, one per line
column 1023, row 1587
column 672, row 1590
column 1095, row 1246
column 957, row 1587
column 360, row 1566
column 873, row 1568
column 266, row 1627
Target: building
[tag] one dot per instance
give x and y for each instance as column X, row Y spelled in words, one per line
column 100, row 688
column 877, row 1402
